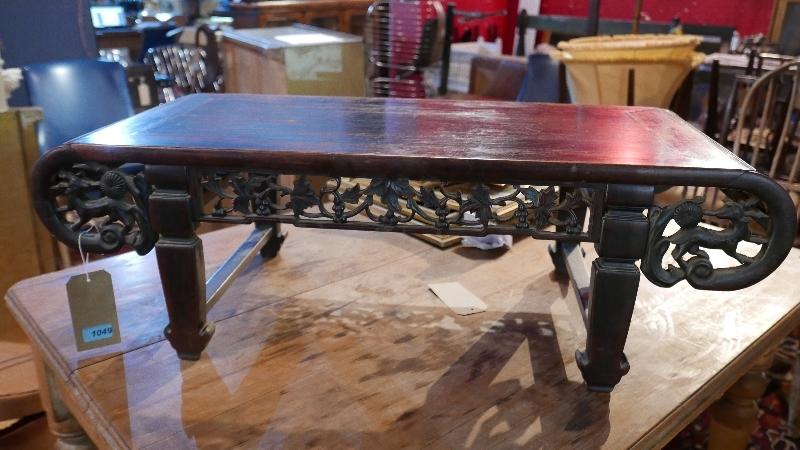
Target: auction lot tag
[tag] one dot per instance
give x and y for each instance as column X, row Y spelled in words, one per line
column 93, row 310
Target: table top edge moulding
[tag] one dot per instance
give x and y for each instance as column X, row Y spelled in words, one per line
column 363, row 130
column 576, row 174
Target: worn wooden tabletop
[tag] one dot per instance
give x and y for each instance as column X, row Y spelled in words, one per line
column 339, row 343
column 454, row 140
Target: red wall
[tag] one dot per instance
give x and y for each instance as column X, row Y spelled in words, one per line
column 502, row 26
column 748, row 16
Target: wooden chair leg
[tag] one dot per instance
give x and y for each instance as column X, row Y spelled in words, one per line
column 733, row 417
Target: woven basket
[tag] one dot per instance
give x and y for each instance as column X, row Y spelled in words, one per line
column 598, row 67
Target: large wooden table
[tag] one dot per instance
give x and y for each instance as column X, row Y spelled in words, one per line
column 578, row 174
column 338, row 343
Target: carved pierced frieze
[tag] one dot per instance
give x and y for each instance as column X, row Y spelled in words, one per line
column 397, row 204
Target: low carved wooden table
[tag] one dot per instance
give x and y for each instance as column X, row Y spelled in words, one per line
column 579, row 174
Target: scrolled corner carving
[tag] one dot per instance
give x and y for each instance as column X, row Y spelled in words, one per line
column 104, row 207
column 692, row 240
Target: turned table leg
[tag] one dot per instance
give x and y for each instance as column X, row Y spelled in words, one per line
column 61, row 423
column 173, row 210
column 614, row 284
column 793, row 422
column 733, row 417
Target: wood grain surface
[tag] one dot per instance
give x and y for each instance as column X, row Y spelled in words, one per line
column 453, row 140
column 338, row 343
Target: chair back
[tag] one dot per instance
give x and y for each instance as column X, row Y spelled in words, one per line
column 183, row 70
column 766, row 133
column 766, row 125
column 206, row 38
column 76, row 96
column 403, row 37
column 757, row 65
column 157, row 36
column 34, row 31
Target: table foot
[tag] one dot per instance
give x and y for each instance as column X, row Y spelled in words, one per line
column 588, row 369
column 613, row 294
column 190, row 346
column 180, row 263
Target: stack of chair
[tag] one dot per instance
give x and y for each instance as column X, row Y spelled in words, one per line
column 187, row 69
column 766, row 133
column 403, row 38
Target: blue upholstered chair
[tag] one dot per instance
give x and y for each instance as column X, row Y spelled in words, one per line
column 76, row 96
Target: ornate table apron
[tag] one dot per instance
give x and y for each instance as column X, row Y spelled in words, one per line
column 610, row 206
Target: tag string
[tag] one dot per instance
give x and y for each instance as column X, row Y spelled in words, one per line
column 85, row 256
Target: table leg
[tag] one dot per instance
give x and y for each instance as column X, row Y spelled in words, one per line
column 614, row 285
column 273, row 245
column 173, row 210
column 793, row 423
column 733, row 417
column 69, row 434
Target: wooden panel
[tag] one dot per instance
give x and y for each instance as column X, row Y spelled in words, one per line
column 130, row 38
column 253, row 72
column 258, row 61
column 344, row 321
column 27, row 249
column 389, row 136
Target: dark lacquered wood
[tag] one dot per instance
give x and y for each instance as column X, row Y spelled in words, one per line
column 613, row 285
column 179, row 253
column 388, row 137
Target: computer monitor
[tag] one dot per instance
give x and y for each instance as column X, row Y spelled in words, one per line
column 108, row 16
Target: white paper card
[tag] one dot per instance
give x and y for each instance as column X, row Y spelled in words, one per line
column 458, row 298
column 308, row 39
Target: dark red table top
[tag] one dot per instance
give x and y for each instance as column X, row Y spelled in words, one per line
column 456, row 140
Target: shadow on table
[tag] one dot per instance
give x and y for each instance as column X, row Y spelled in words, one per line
column 486, row 397
column 506, row 413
